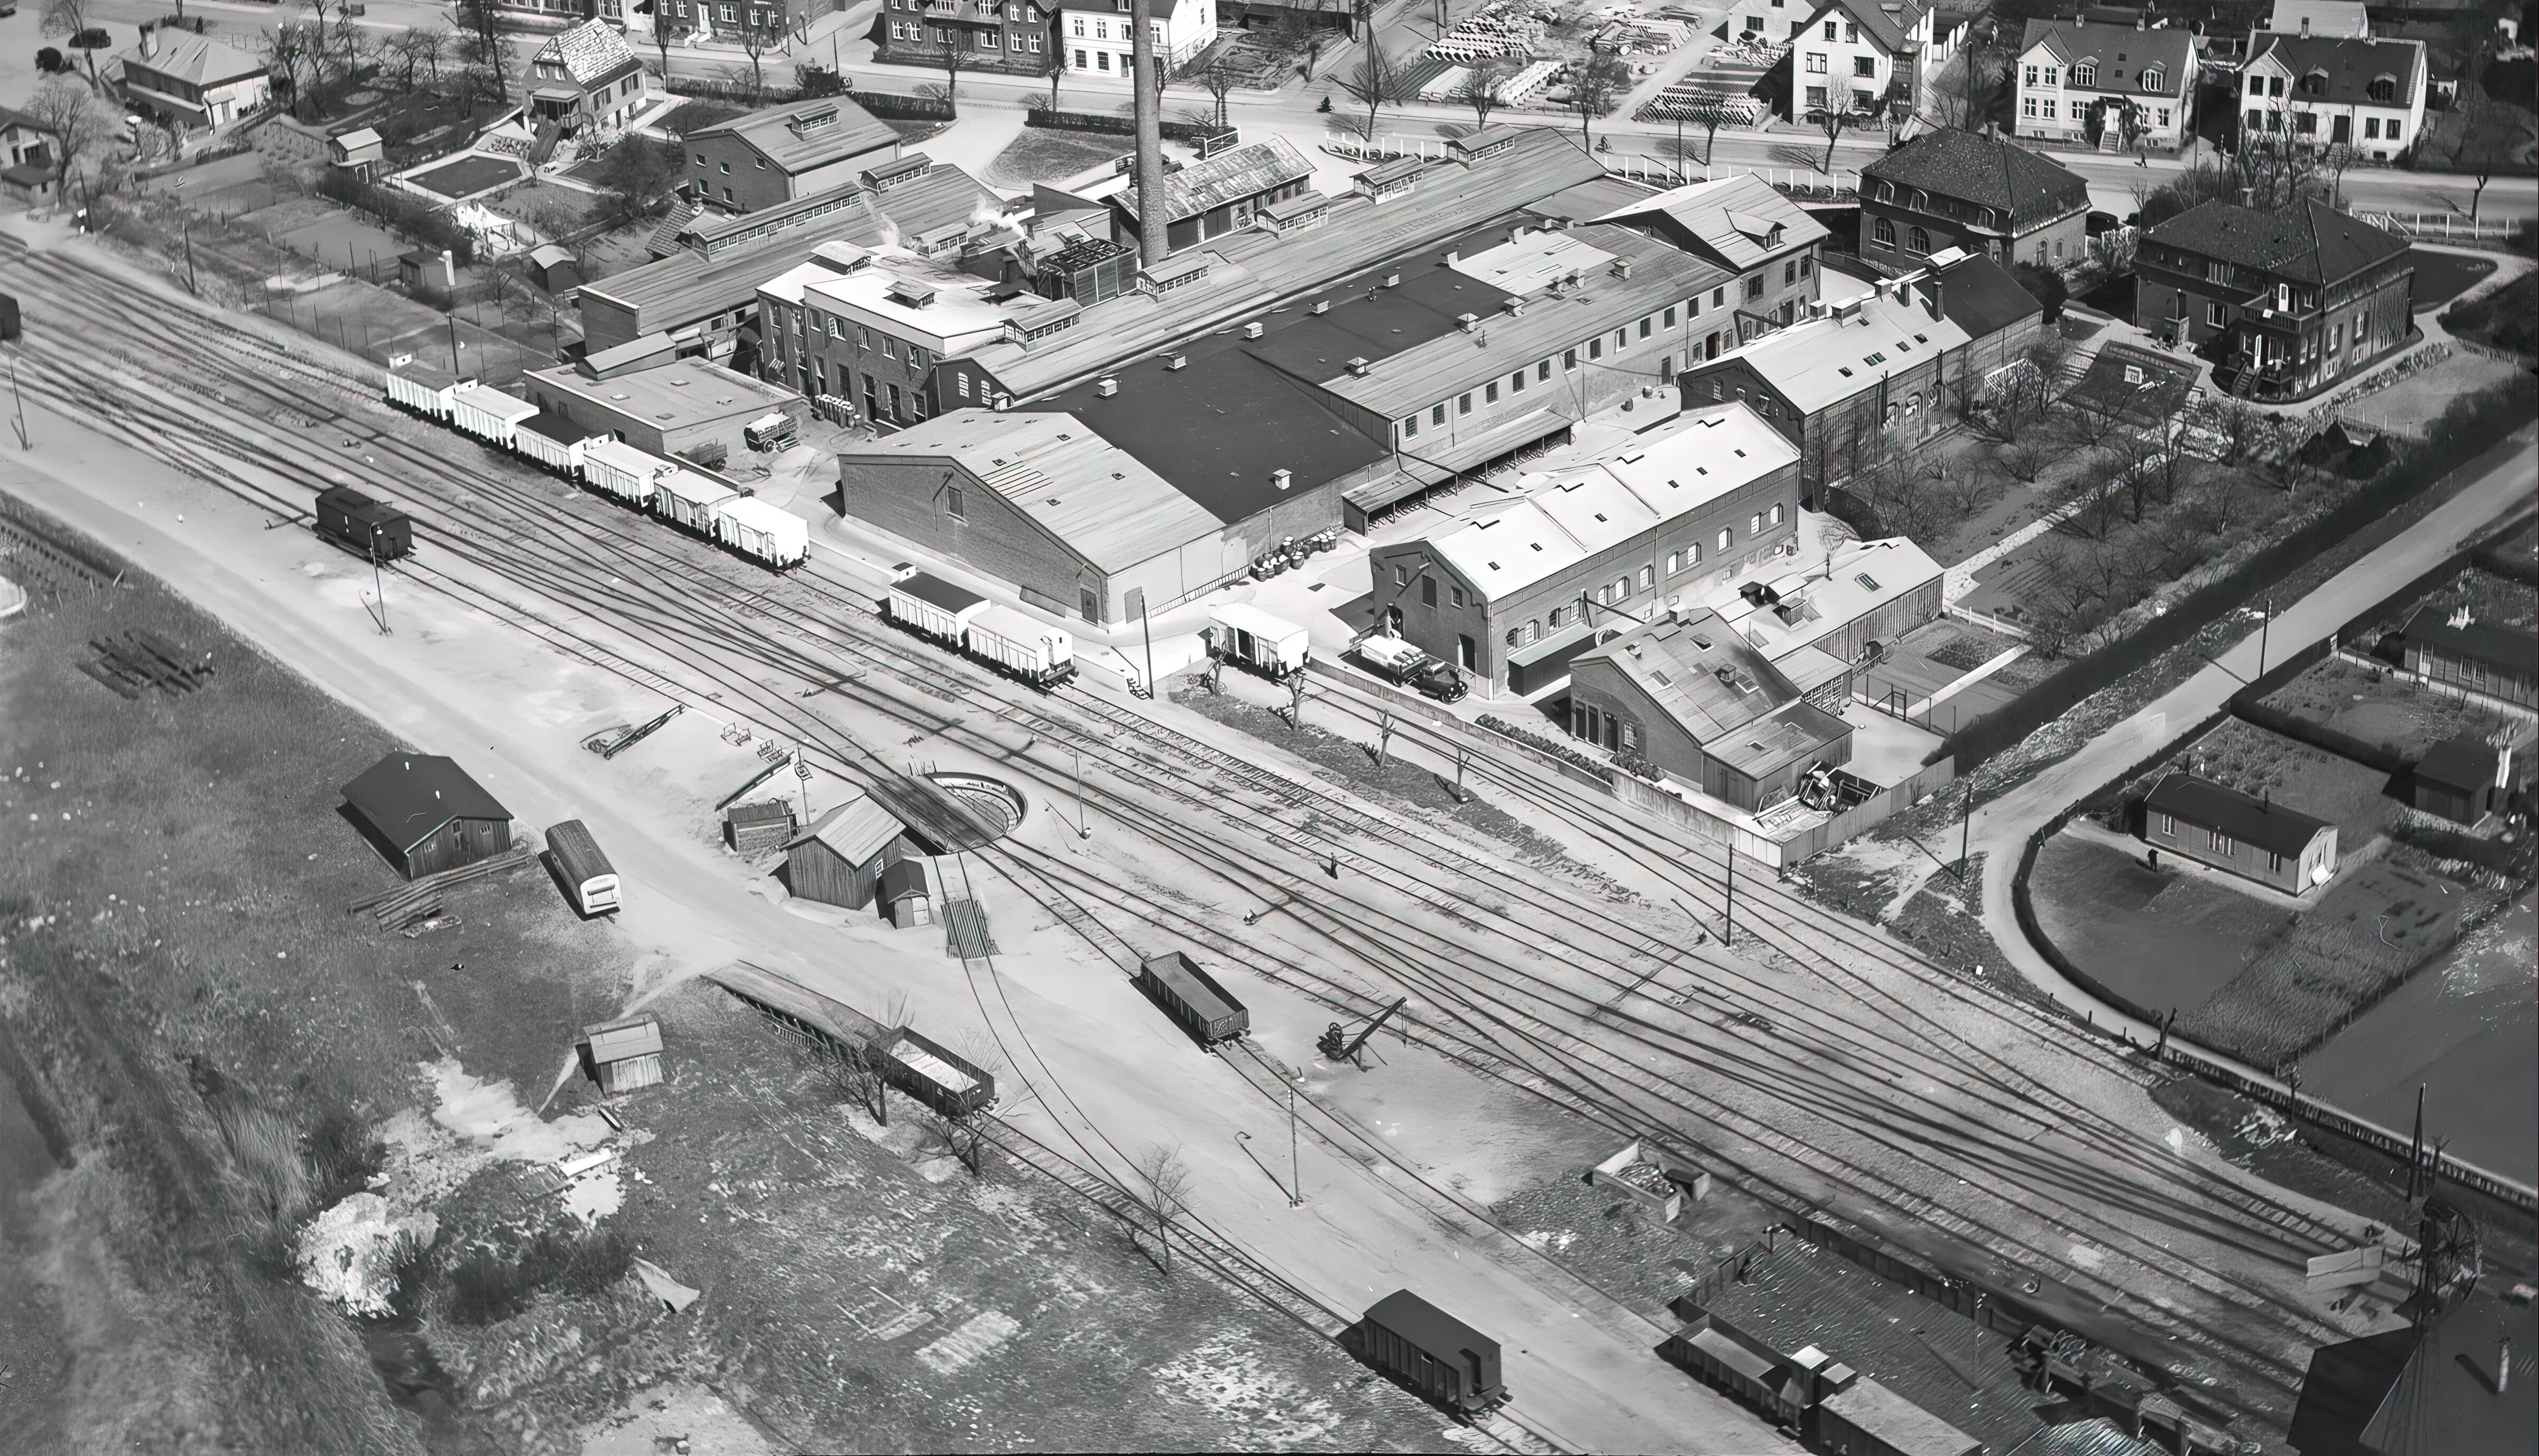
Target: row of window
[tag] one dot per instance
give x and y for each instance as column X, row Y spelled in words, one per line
column 1018, row 14
column 2041, row 108
column 2306, row 124
column 1861, row 101
column 1594, row 349
column 1102, row 30
column 2152, row 78
column 1616, row 592
column 2218, row 842
column 729, row 14
column 979, row 40
column 2382, row 89
column 1863, row 67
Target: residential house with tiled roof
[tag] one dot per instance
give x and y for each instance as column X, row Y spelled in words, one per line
column 1859, row 56
column 585, row 77
column 2117, row 88
column 1096, row 42
column 1745, row 226
column 1979, row 191
column 192, row 82
column 2284, row 302
column 1012, row 35
column 2335, row 91
column 779, row 154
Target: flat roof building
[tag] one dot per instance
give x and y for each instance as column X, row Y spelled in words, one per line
column 687, row 406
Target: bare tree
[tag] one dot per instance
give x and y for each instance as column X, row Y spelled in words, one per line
column 70, row 19
column 755, row 40
column 1480, row 88
column 1831, row 118
column 1220, row 77
column 1709, row 112
column 287, row 49
column 1163, row 1186
column 481, row 43
column 663, row 33
column 406, row 52
column 1374, row 84
column 1597, row 87
column 70, row 111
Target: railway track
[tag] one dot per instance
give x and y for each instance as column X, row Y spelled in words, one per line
column 1511, row 1035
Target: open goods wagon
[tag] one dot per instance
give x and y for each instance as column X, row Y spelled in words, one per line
column 620, row 471
column 488, row 414
column 1429, row 1352
column 764, row 533
column 1246, row 636
column 928, row 604
column 364, row 526
column 932, row 1073
column 683, row 498
column 1034, row 651
column 589, row 879
column 1193, row 998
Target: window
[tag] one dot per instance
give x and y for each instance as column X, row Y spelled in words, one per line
column 2049, row 77
column 2335, row 338
column 2155, row 79
column 1755, row 527
column 1081, row 60
column 1829, row 34
column 1411, row 428
column 1754, row 286
column 1455, row 595
column 1542, row 369
column 1568, row 360
column 1033, row 42
column 701, row 159
column 1464, row 403
column 1807, row 265
column 2383, row 88
column 2168, row 825
column 1719, row 297
column 2391, row 129
column 2085, row 74
column 2219, row 842
column 1776, row 515
column 1692, row 555
column 1670, row 315
column 2047, row 106
column 1674, row 562
column 2028, row 106
column 1529, row 632
column 1437, row 414
column 1648, row 326
column 1815, row 63
column 2030, row 76
column 1490, row 392
column 1102, row 60
column 889, row 347
column 1789, row 272
column 952, row 504
column 762, row 164
column 2274, row 862
column 1596, row 347
column 1881, row 232
column 1648, row 577
column 1918, row 241
column 1428, row 591
column 1516, row 382
column 726, row 169
column 2371, row 128
column 2163, row 118
column 1692, row 306
column 2256, row 86
column 1864, row 68
column 1727, row 537
column 1400, row 575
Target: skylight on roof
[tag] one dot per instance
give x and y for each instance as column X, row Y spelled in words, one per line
column 1845, row 368
column 1658, row 675
column 1864, row 580
column 1903, row 348
column 1876, row 358
column 1536, row 545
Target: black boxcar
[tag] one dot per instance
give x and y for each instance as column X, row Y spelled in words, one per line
column 1429, row 1352
column 364, row 526
column 10, row 327
column 933, row 1073
column 1192, row 997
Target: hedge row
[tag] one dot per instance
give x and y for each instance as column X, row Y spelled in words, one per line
column 403, row 212
column 2473, row 424
column 1111, row 124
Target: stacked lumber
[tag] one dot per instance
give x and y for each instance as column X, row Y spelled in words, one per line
column 417, row 906
column 142, row 659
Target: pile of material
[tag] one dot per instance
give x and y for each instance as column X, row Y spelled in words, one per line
column 142, row 658
column 411, row 909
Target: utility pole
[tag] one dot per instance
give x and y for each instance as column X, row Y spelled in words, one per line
column 378, row 586
column 1727, row 918
column 2265, row 625
column 1146, row 629
column 24, row 443
column 189, row 254
column 1083, row 827
column 454, row 344
column 1295, row 1168
column 2415, row 1148
column 1966, row 829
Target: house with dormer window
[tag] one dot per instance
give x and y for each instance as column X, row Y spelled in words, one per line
column 1863, row 57
column 585, row 77
column 2335, row 91
column 783, row 153
column 2285, row 304
column 2115, row 88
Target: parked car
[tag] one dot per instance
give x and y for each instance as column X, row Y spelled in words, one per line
column 1396, row 661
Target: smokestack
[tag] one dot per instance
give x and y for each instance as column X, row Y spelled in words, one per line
column 1154, row 224
column 2503, row 1366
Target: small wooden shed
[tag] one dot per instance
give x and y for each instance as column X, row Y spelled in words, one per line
column 622, row 1055
column 839, row 859
column 2462, row 778
column 755, row 829
column 906, row 898
column 425, row 814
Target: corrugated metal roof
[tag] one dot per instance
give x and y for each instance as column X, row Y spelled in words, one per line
column 1097, row 498
column 1818, row 362
column 803, row 135
column 1732, row 217
column 1229, row 176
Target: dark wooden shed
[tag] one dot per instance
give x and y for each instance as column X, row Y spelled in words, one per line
column 755, row 829
column 425, row 814
column 839, row 859
column 906, row 898
column 2461, row 779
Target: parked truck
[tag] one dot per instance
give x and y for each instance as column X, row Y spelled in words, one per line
column 1396, row 661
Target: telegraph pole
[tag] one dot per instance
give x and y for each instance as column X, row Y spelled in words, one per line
column 24, row 443
column 1146, row 629
column 2265, row 625
column 1728, row 919
column 1966, row 829
column 1296, row 1169
column 378, row 586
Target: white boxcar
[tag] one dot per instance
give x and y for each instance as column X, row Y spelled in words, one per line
column 488, row 414
column 1273, row 646
column 426, row 391
column 766, row 534
column 935, row 606
column 553, row 441
column 1029, row 649
column 687, row 498
column 613, row 467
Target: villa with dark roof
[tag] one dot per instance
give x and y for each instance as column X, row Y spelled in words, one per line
column 2335, row 91
column 1979, row 191
column 2285, row 304
column 2112, row 87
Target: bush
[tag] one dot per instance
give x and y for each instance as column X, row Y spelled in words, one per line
column 811, row 80
column 94, row 38
column 2508, row 318
column 48, row 61
column 485, row 1287
column 2044, row 284
column 343, row 1156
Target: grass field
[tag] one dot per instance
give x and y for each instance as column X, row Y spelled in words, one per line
column 468, row 175
column 2160, row 939
column 1051, row 156
column 2441, row 277
column 2378, row 708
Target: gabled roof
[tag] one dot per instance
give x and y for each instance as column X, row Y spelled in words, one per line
column 2251, row 821
column 2461, row 762
column 1890, row 23
column 1058, row 472
column 2425, row 1390
column 1246, row 172
column 1818, row 361
column 590, row 53
column 799, row 137
column 2349, row 65
column 1980, row 295
column 1730, row 218
column 2120, row 53
column 855, row 830
column 1987, row 170
column 2514, row 649
column 2138, row 385
column 202, row 60
column 1720, row 689
column 2308, row 242
column 2323, row 18
column 406, row 798
column 618, row 1040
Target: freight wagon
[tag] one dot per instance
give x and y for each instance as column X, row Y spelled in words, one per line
column 1250, row 638
column 1192, row 997
column 1429, row 1352
column 764, row 533
column 490, row 414
column 424, row 391
column 932, row 1073
column 686, row 498
column 928, row 604
column 617, row 469
column 1018, row 646
column 554, row 442
column 10, row 327
column 589, row 879
column 364, row 526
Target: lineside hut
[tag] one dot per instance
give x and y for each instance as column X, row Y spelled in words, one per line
column 622, row 1055
column 755, row 829
column 905, row 897
column 839, row 859
column 425, row 814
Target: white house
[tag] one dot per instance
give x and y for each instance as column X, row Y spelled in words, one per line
column 1095, row 40
column 2344, row 18
column 1851, row 54
column 193, row 81
column 2075, row 80
column 2335, row 91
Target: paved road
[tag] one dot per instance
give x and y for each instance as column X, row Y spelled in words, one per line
column 2001, row 828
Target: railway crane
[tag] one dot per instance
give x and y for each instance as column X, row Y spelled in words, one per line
column 1336, row 1045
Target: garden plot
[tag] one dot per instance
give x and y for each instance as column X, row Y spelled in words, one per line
column 2379, row 707
column 2312, row 782
column 2373, row 928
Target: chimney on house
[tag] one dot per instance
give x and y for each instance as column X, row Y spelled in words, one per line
column 2304, row 25
column 1931, row 287
column 1282, row 479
